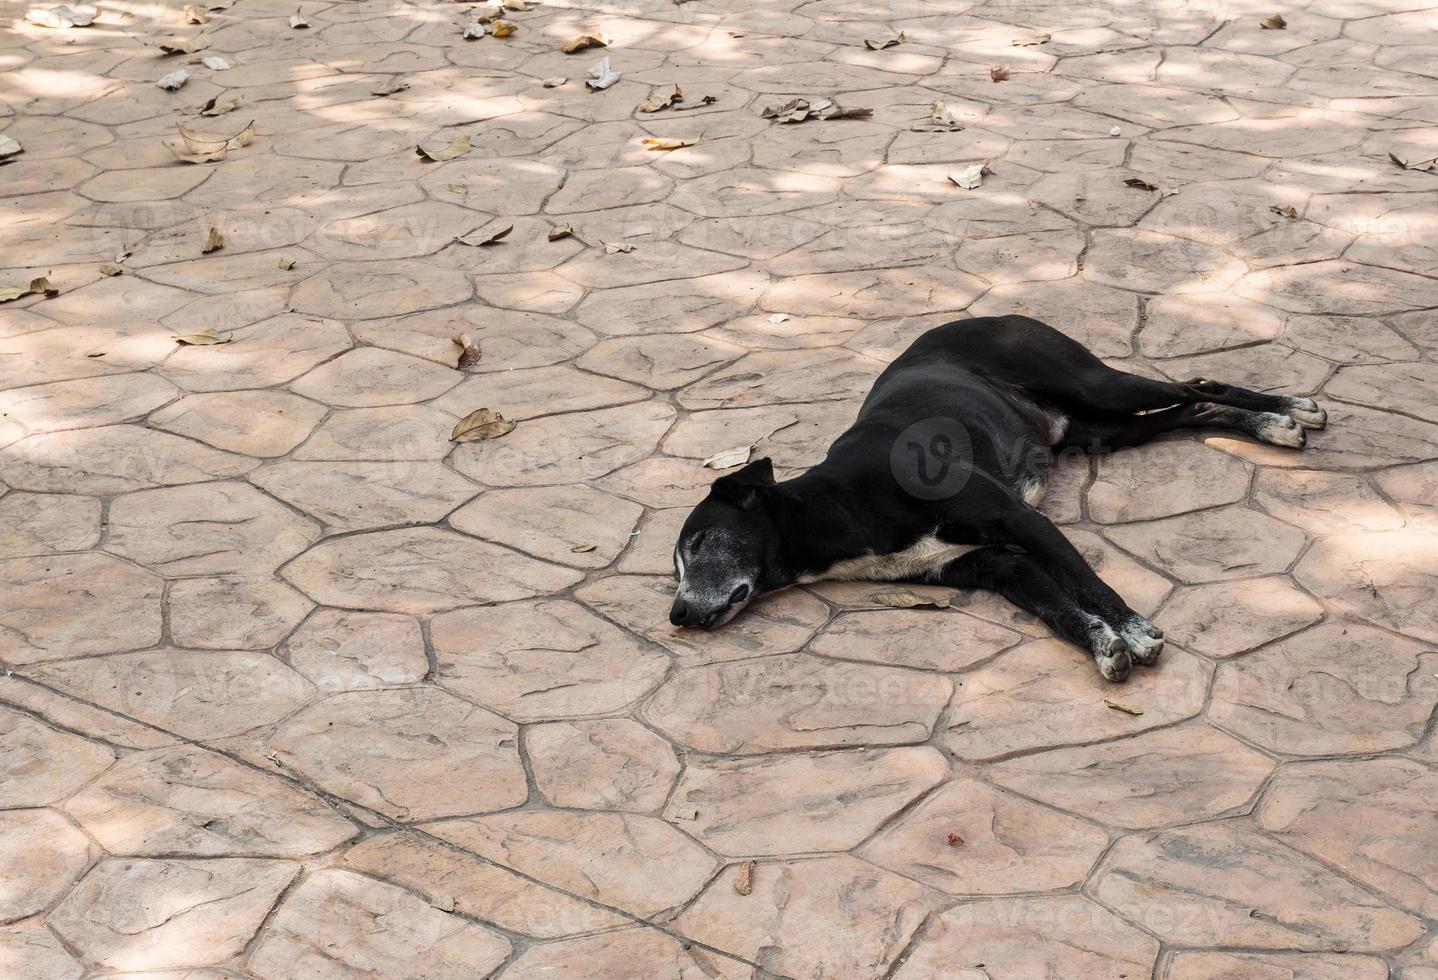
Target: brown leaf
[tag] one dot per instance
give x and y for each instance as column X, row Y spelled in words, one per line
column 487, row 239
column 1288, row 212
column 1273, row 22
column 481, row 424
column 999, row 73
column 943, row 118
column 583, row 549
column 744, row 879
column 196, row 14
column 1127, row 709
column 560, row 231
column 468, row 350
column 971, row 176
column 1139, row 184
column 196, row 142
column 38, row 286
column 667, row 144
column 456, row 149
column 217, row 106
column 287, row 264
column 182, row 45
column 904, row 599
column 725, row 459
column 1414, row 163
column 612, row 248
column 214, row 241
column 703, row 101
column 658, row 102
column 554, row 82
column 183, row 152
column 390, row 87
column 503, row 28
column 892, row 42
column 205, row 338
column 110, row 271
column 298, row 22
column 96, row 353
column 584, row 41
column 1032, row 42
column 800, row 110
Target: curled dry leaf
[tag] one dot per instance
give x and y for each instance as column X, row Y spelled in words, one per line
column 971, row 176
column 660, row 101
column 390, row 87
column 999, row 73
column 1414, row 163
column 744, row 879
column 943, row 118
column 503, row 28
column 560, row 231
column 481, row 424
column 62, row 18
column 1138, row 183
column 1273, row 22
column 456, row 149
column 1127, row 709
column 469, row 352
column 584, row 42
column 801, row 110
column 40, row 285
column 214, row 241
column 701, row 103
column 727, row 458
column 892, row 42
column 298, row 22
column 215, row 63
column 583, row 549
column 182, row 45
column 217, row 106
column 201, row 142
column 554, row 82
column 601, row 76
column 9, row 146
column 482, row 240
column 904, row 599
column 204, row 338
column 287, row 264
column 612, row 248
column 778, row 317
column 173, row 81
column 195, row 14
column 1288, row 212
column 473, row 31
column 1032, row 42
column 665, row 143
column 110, row 271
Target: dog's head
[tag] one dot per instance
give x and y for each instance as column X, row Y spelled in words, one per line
column 728, row 551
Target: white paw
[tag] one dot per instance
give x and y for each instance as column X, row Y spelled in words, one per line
column 1305, row 412
column 1280, row 430
column 1144, row 640
column 1110, row 652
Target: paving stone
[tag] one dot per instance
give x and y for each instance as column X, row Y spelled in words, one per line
column 509, row 339
column 794, row 701
column 420, row 570
column 192, row 802
column 1099, row 317
column 1169, row 776
column 1225, row 619
column 41, row 524
column 1274, row 966
column 158, row 914
column 1336, row 688
column 360, row 496
column 40, row 765
column 1267, row 897
column 1048, row 693
column 776, row 377
column 1060, row 936
column 1267, row 366
column 1324, row 503
column 613, row 955
column 43, row 855
column 339, row 924
column 948, row 641
column 834, row 916
column 542, row 660
column 255, row 423
column 1193, row 478
column 1147, row 261
column 609, row 764
column 1365, row 817
column 340, row 650
column 37, row 605
column 1356, row 438
column 86, row 403
column 371, row 290
column 368, row 377
column 31, row 952
column 573, row 525
column 1382, row 577
column 635, row 863
column 477, row 888
column 234, row 612
column 1212, row 545
column 114, row 459
column 410, row 753
column 270, row 352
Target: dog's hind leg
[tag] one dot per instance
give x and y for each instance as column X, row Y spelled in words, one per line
column 1104, row 434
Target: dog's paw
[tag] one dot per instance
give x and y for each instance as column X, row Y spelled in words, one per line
column 1143, row 639
column 1110, row 651
column 1279, row 430
column 1305, row 412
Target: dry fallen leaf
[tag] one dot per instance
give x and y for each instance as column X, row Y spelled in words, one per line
column 554, row 82
column 198, row 142
column 971, row 176
column 298, row 22
column 655, row 143
column 1127, row 709
column 800, row 110
column 601, row 76
column 778, row 317
column 560, row 231
column 214, row 241
column 583, row 549
column 1031, row 42
column 1414, row 163
column 703, row 101
column 744, row 879
column 215, row 63
column 727, row 458
column 173, row 81
column 38, row 285
column 96, row 353
column 217, row 106
column 659, row 102
column 503, row 28
column 204, row 338
column 904, row 599
column 1273, row 22
column 612, row 248
column 481, row 424
column 474, row 30
column 456, row 149
column 196, row 14
column 182, row 45
column 493, row 239
column 999, row 73
column 892, row 42
column 390, row 87
column 585, row 41
column 9, row 146
column 468, row 350
column 1140, row 184
column 943, row 118
column 63, row 17
column 110, row 271
column 1288, row 212
column 287, row 264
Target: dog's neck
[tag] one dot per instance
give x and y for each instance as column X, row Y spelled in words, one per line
column 819, row 524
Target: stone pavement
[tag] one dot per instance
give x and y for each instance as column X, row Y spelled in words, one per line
column 298, row 687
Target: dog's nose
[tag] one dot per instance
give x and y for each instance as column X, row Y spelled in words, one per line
column 680, row 614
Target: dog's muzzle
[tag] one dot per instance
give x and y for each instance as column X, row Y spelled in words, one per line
column 688, row 611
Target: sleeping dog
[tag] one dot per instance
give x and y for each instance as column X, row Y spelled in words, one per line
column 936, row 482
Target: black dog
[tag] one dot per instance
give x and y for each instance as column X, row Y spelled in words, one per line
column 936, row 480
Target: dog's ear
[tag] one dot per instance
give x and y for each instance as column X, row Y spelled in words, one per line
column 746, row 487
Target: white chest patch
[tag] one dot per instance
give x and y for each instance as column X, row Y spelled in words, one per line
column 925, row 555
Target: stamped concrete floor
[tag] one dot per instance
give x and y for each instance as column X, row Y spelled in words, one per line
column 297, row 687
